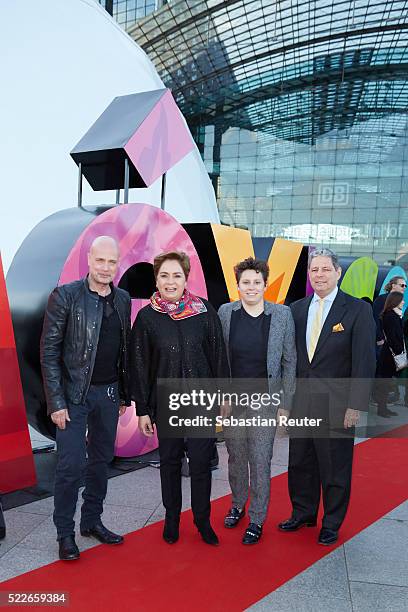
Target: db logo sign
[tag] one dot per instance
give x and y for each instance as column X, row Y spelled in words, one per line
column 333, row 194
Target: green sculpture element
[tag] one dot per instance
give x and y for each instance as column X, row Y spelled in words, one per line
column 360, row 278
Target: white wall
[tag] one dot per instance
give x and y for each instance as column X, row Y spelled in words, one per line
column 62, row 63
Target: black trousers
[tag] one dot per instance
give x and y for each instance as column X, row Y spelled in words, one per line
column 200, row 452
column 100, row 414
column 320, row 464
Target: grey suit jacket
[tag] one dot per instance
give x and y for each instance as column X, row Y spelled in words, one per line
column 281, row 356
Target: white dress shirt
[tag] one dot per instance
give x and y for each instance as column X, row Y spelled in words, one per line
column 314, row 307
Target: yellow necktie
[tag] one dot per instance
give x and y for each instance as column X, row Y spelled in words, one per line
column 316, row 329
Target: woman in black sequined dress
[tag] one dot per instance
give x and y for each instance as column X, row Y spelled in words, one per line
column 178, row 336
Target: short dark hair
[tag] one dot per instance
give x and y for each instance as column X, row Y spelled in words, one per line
column 179, row 256
column 250, row 263
column 393, row 281
column 393, row 299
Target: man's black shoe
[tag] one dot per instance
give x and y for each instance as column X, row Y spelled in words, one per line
column 386, row 413
column 171, row 531
column 327, row 536
column 102, row 534
column 252, row 534
column 233, row 517
column 208, row 534
column 293, row 524
column 68, row 550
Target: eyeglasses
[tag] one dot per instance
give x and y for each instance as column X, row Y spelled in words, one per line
column 403, row 285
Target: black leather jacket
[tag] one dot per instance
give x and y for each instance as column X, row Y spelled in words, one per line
column 69, row 342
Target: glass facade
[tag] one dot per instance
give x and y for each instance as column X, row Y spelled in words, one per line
column 300, row 112
column 127, row 12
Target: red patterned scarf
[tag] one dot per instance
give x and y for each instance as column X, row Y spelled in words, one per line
column 189, row 305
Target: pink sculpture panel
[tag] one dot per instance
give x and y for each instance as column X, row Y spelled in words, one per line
column 161, row 141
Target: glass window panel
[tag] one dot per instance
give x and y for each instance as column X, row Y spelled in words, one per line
column 321, row 216
column 389, row 184
column 300, row 216
column 343, row 216
column 281, row 216
column 302, row 187
column 389, row 214
column 365, row 215
column 302, row 202
column 246, row 190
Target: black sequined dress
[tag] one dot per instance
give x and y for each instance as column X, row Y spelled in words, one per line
column 164, row 348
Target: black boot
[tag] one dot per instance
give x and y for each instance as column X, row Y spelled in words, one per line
column 207, row 533
column 171, row 530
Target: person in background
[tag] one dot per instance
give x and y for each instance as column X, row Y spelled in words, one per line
column 392, row 329
column 177, row 336
column 260, row 340
column 396, row 283
column 402, row 375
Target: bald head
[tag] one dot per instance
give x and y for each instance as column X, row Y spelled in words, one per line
column 103, row 242
column 103, row 260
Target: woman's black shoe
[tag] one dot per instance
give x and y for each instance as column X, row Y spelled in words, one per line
column 233, row 517
column 252, row 534
column 208, row 534
column 171, row 531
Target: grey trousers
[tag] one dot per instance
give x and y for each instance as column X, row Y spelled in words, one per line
column 249, row 464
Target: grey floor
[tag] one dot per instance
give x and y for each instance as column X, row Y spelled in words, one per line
column 368, row 573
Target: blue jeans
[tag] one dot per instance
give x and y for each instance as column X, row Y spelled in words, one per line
column 100, row 414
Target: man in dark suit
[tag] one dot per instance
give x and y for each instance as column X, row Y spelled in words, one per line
column 335, row 341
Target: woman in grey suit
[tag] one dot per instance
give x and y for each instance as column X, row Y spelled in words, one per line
column 260, row 339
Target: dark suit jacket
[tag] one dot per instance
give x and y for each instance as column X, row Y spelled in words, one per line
column 343, row 364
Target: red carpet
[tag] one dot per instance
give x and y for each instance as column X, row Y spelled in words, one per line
column 148, row 574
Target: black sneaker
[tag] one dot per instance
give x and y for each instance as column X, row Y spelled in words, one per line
column 233, row 517
column 252, row 534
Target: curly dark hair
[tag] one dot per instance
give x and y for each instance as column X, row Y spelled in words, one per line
column 250, row 263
